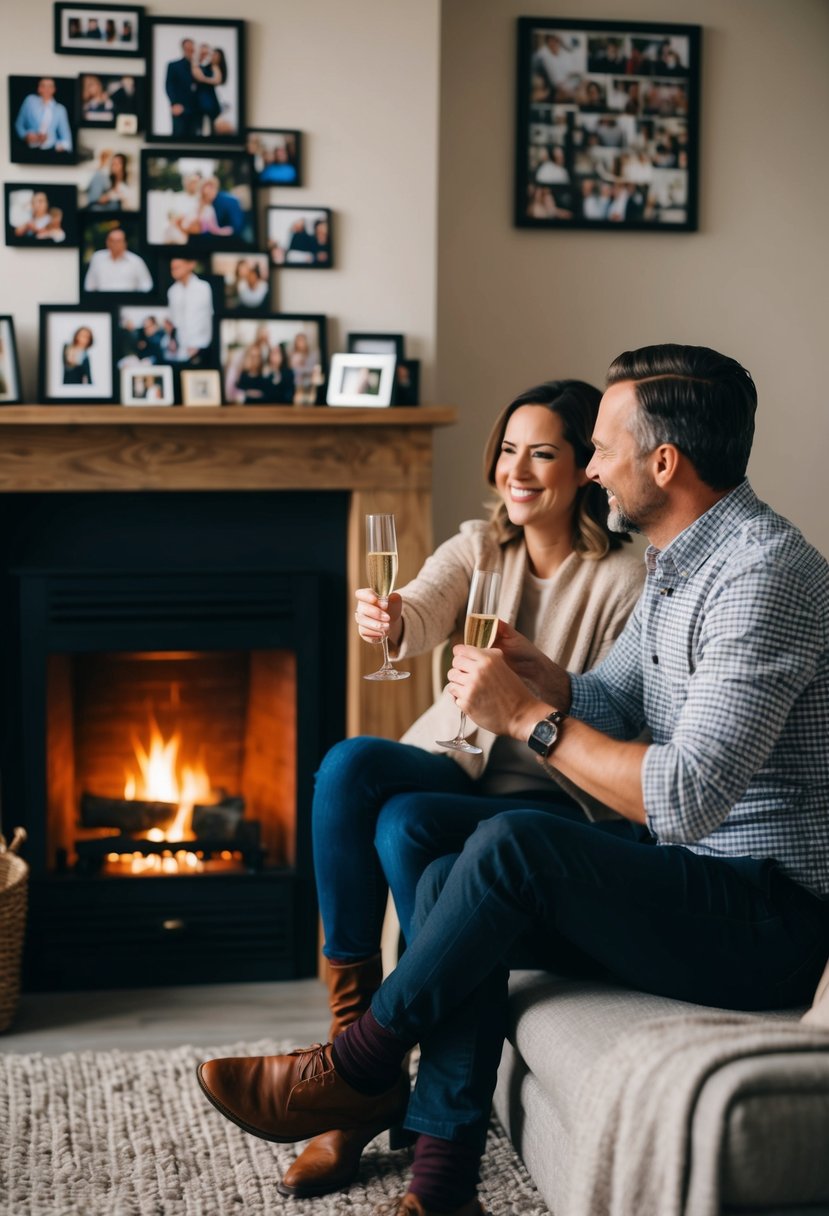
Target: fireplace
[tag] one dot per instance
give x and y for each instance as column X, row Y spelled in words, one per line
column 173, row 672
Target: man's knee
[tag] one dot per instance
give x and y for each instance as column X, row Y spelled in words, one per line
column 429, row 887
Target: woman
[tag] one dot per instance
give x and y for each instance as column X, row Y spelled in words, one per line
column 280, row 390
column 120, row 194
column 76, row 366
column 383, row 811
column 303, row 361
column 209, row 73
column 252, row 382
column 251, row 288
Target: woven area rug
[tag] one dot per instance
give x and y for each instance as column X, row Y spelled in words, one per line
column 130, row 1134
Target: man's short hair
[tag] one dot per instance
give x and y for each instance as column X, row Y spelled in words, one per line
column 698, row 400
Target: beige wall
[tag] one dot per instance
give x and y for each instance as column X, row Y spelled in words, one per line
column 517, row 306
column 360, row 80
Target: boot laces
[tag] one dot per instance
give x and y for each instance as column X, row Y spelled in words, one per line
column 316, row 1064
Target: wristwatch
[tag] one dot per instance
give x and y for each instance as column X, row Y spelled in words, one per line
column 544, row 734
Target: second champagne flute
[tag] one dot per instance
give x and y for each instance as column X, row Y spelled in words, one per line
column 381, row 567
column 479, row 630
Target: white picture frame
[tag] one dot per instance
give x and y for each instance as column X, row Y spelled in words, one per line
column 361, row 379
column 147, row 385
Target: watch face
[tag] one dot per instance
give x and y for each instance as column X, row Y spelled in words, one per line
column 545, row 731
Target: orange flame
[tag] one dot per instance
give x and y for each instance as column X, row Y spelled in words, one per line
column 159, row 780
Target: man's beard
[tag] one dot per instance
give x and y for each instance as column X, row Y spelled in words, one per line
column 617, row 521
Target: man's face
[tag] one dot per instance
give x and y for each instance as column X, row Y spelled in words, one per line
column 117, row 242
column 209, row 191
column 634, row 499
column 187, row 48
column 180, row 268
column 46, row 88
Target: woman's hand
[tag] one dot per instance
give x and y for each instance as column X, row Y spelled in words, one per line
column 379, row 618
column 544, row 677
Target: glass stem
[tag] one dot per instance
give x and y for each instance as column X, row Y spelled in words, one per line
column 386, row 660
column 459, row 737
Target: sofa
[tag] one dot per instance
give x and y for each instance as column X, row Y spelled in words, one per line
column 768, row 1114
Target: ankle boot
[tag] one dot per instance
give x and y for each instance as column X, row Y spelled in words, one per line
column 330, row 1161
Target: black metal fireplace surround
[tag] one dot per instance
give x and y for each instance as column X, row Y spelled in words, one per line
column 242, row 577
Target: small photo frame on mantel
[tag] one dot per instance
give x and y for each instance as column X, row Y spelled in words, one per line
column 10, row 393
column 377, row 344
column 201, row 387
column 361, row 379
column 77, row 349
column 147, row 386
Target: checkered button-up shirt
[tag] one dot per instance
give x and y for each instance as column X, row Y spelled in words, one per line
column 725, row 660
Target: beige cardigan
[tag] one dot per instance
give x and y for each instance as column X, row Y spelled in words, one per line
column 593, row 599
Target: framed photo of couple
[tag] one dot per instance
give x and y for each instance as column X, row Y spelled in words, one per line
column 197, row 200
column 195, row 73
column 607, row 125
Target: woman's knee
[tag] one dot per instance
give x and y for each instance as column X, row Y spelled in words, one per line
column 397, row 827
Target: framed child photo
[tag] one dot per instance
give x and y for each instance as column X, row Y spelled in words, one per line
column 41, row 215
column 99, row 29
column 10, row 393
column 196, row 80
column 277, row 156
column 76, row 354
column 607, row 125
column 361, row 379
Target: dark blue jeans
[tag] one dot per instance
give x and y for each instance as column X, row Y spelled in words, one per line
column 542, row 890
column 382, row 812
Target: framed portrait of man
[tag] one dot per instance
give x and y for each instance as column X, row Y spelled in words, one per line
column 42, row 121
column 195, row 69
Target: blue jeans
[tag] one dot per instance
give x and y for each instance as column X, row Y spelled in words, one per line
column 543, row 890
column 382, row 812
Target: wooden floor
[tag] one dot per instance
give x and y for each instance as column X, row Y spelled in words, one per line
column 208, row 1016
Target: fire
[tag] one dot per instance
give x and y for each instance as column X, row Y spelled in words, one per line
column 161, row 779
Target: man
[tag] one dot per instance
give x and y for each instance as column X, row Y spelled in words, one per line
column 115, row 268
column 181, row 91
column 228, row 209
column 711, row 887
column 43, row 122
column 191, row 310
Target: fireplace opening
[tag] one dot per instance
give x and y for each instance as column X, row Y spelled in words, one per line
column 171, row 763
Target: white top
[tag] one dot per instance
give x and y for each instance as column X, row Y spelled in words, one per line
column 252, row 297
column 191, row 311
column 127, row 273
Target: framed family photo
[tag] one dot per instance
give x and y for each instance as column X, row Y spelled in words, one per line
column 41, row 215
column 76, row 354
column 278, row 360
column 300, row 237
column 42, row 126
column 99, row 29
column 607, row 125
column 196, row 81
column 277, row 156
column 147, row 386
column 10, row 392
column 198, row 202
column 361, row 379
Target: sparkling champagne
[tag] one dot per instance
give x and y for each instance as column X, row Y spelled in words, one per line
column 479, row 630
column 382, row 572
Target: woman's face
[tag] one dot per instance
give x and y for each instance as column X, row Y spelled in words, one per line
column 83, row 338
column 40, row 203
column 301, row 344
column 536, row 473
column 253, row 360
column 118, row 166
column 276, row 359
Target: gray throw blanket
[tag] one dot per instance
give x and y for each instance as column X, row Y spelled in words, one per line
column 636, row 1106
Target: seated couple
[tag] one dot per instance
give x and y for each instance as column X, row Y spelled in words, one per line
column 710, row 882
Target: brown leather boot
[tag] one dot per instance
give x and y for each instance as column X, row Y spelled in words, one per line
column 330, row 1162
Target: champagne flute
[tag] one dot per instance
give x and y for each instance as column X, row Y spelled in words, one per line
column 381, row 562
column 479, row 630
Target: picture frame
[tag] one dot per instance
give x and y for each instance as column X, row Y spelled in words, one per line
column 406, row 382
column 246, row 283
column 111, row 101
column 37, row 102
column 147, row 385
column 199, row 201
column 607, row 128
column 10, row 390
column 73, row 367
column 41, row 215
column 195, row 79
column 113, row 265
column 113, row 184
column 377, row 344
column 277, row 156
column 72, row 36
column 202, row 387
column 144, row 335
column 361, row 379
column 248, row 359
column 299, row 238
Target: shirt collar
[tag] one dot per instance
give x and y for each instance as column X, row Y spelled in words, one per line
column 687, row 551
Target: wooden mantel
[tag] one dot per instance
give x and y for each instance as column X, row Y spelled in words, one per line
column 381, row 457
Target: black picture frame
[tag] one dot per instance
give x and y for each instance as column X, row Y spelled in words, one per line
column 209, row 114
column 53, row 365
column 377, row 344
column 126, row 48
column 117, row 107
column 25, row 111
column 308, row 368
column 607, row 133
column 20, row 210
column 95, row 229
column 406, row 382
column 283, row 141
column 299, row 249
column 10, row 389
column 100, row 193
column 225, row 267
column 167, row 175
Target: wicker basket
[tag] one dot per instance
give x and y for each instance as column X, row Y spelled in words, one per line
column 14, row 886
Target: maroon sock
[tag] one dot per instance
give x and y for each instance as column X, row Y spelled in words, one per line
column 368, row 1056
column 444, row 1173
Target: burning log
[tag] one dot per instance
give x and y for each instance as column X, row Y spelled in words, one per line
column 126, row 815
column 220, row 821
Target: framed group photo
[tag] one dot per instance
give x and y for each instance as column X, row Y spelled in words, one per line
column 278, row 360
column 42, row 127
column 76, row 354
column 300, row 237
column 607, row 125
column 99, row 29
column 10, row 393
column 41, row 215
column 195, row 74
column 198, row 202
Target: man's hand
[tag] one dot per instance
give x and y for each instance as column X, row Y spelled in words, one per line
column 485, row 687
column 176, row 110
column 541, row 675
